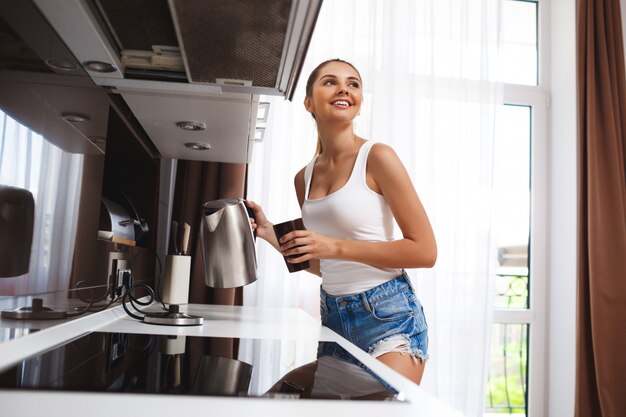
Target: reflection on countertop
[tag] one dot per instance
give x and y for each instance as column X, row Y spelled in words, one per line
column 10, row 333
column 142, row 371
column 52, row 308
column 191, row 365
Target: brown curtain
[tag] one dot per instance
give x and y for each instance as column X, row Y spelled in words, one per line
column 601, row 336
column 196, row 183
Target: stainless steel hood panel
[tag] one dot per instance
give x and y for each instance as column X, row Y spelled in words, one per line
column 38, row 94
column 226, row 117
column 75, row 23
column 39, row 105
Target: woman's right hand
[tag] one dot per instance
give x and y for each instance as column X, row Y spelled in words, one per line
column 263, row 227
column 265, row 230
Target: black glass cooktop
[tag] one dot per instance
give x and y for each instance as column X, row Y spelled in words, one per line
column 191, row 365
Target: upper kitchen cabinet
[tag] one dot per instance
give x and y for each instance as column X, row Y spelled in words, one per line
column 199, row 61
column 43, row 87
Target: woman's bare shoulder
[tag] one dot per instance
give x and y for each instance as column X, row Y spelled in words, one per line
column 299, row 178
column 381, row 155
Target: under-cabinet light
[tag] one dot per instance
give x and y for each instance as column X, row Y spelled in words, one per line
column 62, row 64
column 197, row 146
column 99, row 66
column 74, row 117
column 191, row 126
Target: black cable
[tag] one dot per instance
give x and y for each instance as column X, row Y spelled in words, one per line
column 91, row 288
column 108, row 290
column 105, row 306
column 126, row 297
column 91, row 307
column 158, row 278
column 83, row 311
column 124, row 339
column 131, row 298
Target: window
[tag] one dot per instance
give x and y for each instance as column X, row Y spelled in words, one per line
column 516, row 376
column 518, row 41
column 28, row 160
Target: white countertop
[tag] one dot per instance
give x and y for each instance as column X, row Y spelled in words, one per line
column 219, row 321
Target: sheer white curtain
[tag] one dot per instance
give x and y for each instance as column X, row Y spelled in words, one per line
column 53, row 176
column 428, row 68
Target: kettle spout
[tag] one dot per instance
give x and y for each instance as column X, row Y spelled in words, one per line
column 213, row 220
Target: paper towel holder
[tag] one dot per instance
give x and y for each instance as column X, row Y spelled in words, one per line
column 17, row 218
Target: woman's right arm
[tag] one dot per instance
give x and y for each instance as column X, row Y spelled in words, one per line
column 299, row 184
column 263, row 227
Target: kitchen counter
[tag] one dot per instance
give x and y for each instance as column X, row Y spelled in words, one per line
column 280, row 325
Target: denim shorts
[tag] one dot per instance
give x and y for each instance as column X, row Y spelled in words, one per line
column 386, row 318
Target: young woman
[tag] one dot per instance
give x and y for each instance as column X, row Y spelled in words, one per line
column 350, row 194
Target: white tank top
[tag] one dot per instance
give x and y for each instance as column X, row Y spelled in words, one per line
column 353, row 212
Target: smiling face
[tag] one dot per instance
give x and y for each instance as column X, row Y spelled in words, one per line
column 335, row 93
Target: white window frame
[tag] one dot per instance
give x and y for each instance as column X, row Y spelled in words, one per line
column 535, row 316
column 537, row 98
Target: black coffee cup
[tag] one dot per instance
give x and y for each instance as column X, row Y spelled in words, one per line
column 282, row 229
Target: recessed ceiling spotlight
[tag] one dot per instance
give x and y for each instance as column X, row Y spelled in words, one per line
column 97, row 139
column 192, row 126
column 99, row 66
column 196, row 146
column 75, row 117
column 62, row 64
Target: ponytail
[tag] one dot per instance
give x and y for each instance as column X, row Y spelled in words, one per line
column 318, row 147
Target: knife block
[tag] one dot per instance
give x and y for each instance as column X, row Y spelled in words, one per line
column 176, row 279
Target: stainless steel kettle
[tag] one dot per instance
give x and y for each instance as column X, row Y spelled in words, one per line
column 227, row 244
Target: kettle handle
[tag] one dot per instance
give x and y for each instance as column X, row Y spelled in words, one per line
column 251, row 214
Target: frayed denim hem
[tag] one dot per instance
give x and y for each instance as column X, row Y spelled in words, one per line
column 397, row 343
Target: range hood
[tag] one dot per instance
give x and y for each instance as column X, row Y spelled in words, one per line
column 203, row 61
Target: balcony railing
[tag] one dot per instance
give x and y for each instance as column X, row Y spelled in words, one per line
column 507, row 390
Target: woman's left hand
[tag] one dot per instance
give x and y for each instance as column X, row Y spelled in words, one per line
column 304, row 245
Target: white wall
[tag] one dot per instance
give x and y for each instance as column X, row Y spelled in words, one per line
column 562, row 208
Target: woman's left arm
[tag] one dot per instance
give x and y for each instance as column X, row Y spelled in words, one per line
column 417, row 248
